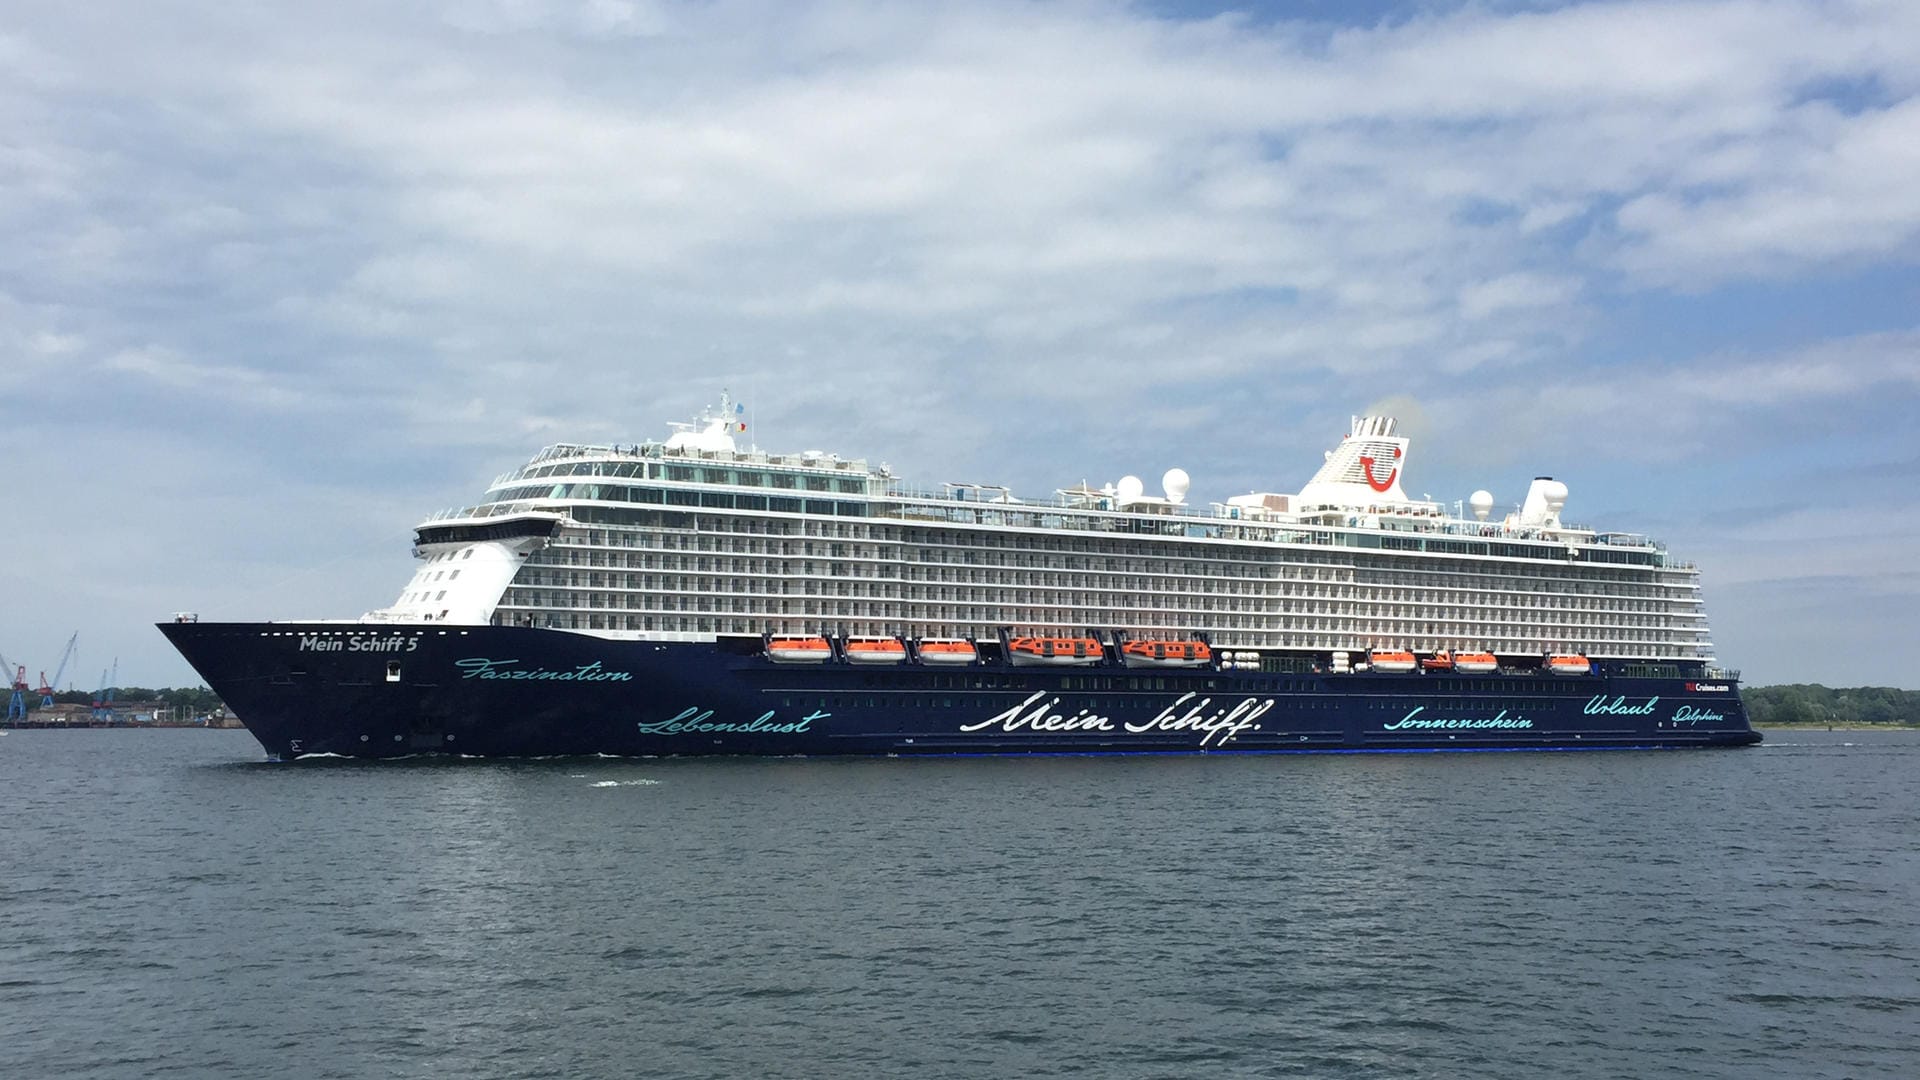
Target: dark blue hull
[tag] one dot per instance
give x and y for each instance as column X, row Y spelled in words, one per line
column 360, row 691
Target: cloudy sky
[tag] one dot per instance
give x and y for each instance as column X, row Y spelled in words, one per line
column 278, row 279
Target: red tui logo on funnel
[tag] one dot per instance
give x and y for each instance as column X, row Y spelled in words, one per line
column 1393, row 470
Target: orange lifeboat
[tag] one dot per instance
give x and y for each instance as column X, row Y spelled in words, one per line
column 1055, row 650
column 1166, row 654
column 799, row 650
column 1475, row 663
column 947, row 651
column 875, row 650
column 1391, row 661
column 1569, row 664
column 1440, row 661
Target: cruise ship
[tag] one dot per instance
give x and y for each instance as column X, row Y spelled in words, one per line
column 689, row 596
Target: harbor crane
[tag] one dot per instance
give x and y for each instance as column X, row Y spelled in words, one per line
column 103, row 701
column 47, row 688
column 17, row 704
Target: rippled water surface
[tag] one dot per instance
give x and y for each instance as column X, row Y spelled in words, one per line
column 171, row 906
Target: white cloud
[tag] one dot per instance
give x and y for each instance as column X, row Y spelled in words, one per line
column 454, row 230
column 33, row 345
column 1667, row 409
column 1510, row 291
column 1861, row 543
column 1842, row 191
column 588, row 18
column 228, row 383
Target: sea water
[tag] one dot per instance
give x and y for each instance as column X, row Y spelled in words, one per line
column 170, row 905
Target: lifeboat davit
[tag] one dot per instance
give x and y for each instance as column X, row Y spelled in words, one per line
column 1166, row 654
column 947, row 651
column 1475, row 663
column 1055, row 650
column 799, row 650
column 875, row 650
column 1391, row 661
column 1570, row 664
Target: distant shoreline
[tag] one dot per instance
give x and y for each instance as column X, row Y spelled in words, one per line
column 1822, row 725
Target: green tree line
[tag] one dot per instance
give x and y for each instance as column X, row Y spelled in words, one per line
column 191, row 700
column 1809, row 703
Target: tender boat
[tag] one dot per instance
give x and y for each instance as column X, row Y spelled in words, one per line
column 1570, row 664
column 1166, row 654
column 1475, row 663
column 1391, row 661
column 1055, row 650
column 875, row 650
column 947, row 651
column 799, row 650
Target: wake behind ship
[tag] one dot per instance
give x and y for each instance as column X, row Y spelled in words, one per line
column 690, row 597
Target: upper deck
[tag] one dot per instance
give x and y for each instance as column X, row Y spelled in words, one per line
column 697, row 536
column 719, row 476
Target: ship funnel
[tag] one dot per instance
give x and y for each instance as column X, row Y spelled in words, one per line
column 1545, row 499
column 1364, row 470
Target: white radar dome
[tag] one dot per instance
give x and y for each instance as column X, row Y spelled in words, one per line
column 1175, row 484
column 1555, row 493
column 1130, row 488
column 1482, row 504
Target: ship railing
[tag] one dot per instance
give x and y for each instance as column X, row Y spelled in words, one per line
column 1425, row 521
column 1218, row 521
column 1728, row 674
column 921, row 504
column 824, row 463
column 486, row 510
column 1623, row 539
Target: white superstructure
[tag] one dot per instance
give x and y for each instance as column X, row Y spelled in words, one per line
column 695, row 537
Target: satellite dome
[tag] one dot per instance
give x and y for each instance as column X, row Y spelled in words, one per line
column 1175, row 484
column 1555, row 494
column 1130, row 488
column 1482, row 503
